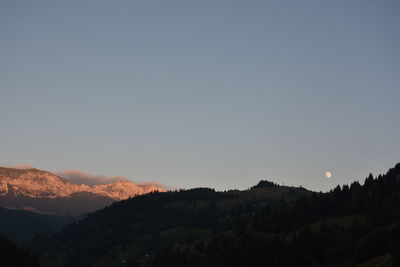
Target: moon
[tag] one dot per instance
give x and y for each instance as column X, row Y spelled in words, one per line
column 328, row 174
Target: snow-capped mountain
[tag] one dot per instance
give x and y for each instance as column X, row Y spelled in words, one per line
column 43, row 191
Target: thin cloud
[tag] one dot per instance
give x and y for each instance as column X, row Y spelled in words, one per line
column 19, row 166
column 79, row 177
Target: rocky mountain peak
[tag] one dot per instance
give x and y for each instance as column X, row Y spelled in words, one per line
column 34, row 184
column 37, row 183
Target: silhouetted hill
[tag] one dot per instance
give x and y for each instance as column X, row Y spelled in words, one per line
column 13, row 256
column 263, row 184
column 198, row 212
column 265, row 226
column 21, row 226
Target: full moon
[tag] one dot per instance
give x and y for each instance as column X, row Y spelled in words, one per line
column 328, row 174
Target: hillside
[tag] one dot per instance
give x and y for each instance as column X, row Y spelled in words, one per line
column 129, row 226
column 13, row 256
column 21, row 226
column 45, row 192
column 349, row 225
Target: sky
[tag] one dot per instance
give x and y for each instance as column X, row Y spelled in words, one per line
column 214, row 94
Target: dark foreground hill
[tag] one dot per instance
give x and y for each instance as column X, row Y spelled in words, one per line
column 21, row 226
column 268, row 225
column 13, row 256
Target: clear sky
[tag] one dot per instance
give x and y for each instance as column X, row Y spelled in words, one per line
column 202, row 93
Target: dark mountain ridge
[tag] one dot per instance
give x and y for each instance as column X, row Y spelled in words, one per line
column 138, row 218
column 21, row 226
column 258, row 227
column 13, row 256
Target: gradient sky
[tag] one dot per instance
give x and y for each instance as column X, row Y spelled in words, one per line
column 202, row 93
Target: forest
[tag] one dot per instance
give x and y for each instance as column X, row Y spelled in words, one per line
column 12, row 255
column 267, row 225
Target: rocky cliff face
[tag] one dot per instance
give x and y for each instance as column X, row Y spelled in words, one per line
column 44, row 191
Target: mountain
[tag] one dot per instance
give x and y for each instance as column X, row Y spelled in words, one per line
column 268, row 225
column 125, row 230
column 21, row 226
column 45, row 192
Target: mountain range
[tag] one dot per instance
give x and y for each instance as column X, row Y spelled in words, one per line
column 267, row 225
column 45, row 192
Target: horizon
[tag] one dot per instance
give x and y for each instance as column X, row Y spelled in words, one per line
column 80, row 177
column 202, row 94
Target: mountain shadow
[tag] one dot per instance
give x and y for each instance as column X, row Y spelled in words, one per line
column 13, row 256
column 21, row 226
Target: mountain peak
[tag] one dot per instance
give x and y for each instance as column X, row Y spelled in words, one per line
column 17, row 184
column 264, row 184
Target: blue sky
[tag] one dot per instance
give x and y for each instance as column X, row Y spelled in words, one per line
column 202, row 93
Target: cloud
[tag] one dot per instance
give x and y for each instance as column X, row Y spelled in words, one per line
column 19, row 166
column 79, row 177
